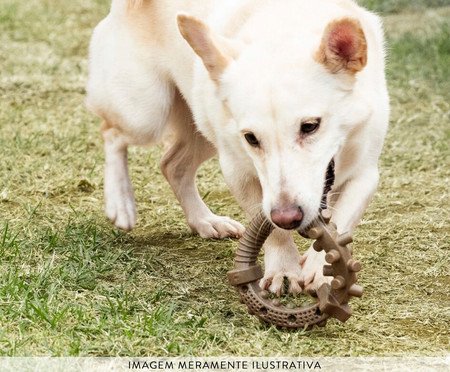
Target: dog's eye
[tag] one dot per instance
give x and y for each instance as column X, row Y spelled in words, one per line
column 251, row 139
column 310, row 126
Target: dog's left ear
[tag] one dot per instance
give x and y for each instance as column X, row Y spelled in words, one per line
column 343, row 47
column 215, row 51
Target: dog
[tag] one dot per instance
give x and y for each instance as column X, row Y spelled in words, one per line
column 279, row 89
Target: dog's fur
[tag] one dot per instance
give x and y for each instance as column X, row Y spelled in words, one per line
column 215, row 71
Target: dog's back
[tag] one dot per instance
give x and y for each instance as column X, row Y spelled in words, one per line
column 146, row 30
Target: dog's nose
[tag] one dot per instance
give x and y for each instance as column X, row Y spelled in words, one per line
column 288, row 218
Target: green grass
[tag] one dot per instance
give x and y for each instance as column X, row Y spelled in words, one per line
column 397, row 6
column 72, row 285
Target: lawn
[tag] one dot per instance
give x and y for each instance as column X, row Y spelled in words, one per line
column 72, row 285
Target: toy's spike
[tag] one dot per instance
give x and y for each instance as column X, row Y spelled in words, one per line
column 354, row 266
column 317, row 246
column 332, row 256
column 345, row 239
column 326, row 215
column 315, row 232
column 356, row 290
column 338, row 282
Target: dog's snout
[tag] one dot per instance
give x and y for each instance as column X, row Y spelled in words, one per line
column 287, row 218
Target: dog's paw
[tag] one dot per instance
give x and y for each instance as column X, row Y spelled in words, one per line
column 280, row 265
column 274, row 282
column 217, row 227
column 120, row 207
column 312, row 263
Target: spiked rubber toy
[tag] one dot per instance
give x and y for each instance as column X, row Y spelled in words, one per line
column 332, row 298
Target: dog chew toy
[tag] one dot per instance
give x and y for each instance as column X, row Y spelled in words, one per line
column 332, row 299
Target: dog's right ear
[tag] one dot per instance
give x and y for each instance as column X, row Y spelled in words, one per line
column 216, row 52
column 343, row 47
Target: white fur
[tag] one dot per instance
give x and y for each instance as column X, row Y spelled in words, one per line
column 136, row 82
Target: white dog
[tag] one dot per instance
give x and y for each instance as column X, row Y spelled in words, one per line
column 279, row 88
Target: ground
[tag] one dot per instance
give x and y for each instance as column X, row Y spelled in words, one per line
column 72, row 285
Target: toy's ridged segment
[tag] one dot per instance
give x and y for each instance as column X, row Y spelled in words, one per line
column 252, row 241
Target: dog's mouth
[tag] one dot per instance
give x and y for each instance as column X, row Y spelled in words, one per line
column 330, row 176
column 328, row 184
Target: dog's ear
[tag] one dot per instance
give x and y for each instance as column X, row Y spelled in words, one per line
column 343, row 47
column 216, row 52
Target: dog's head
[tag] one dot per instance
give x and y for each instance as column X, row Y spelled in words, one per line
column 290, row 107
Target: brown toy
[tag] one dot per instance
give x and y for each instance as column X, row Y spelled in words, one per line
column 332, row 299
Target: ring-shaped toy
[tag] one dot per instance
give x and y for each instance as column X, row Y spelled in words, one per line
column 332, row 298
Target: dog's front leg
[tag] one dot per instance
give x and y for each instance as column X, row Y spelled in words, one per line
column 281, row 259
column 179, row 165
column 347, row 212
column 281, row 255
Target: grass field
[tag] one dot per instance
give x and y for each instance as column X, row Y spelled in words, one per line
column 72, row 285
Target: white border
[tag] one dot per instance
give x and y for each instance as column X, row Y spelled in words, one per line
column 51, row 364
